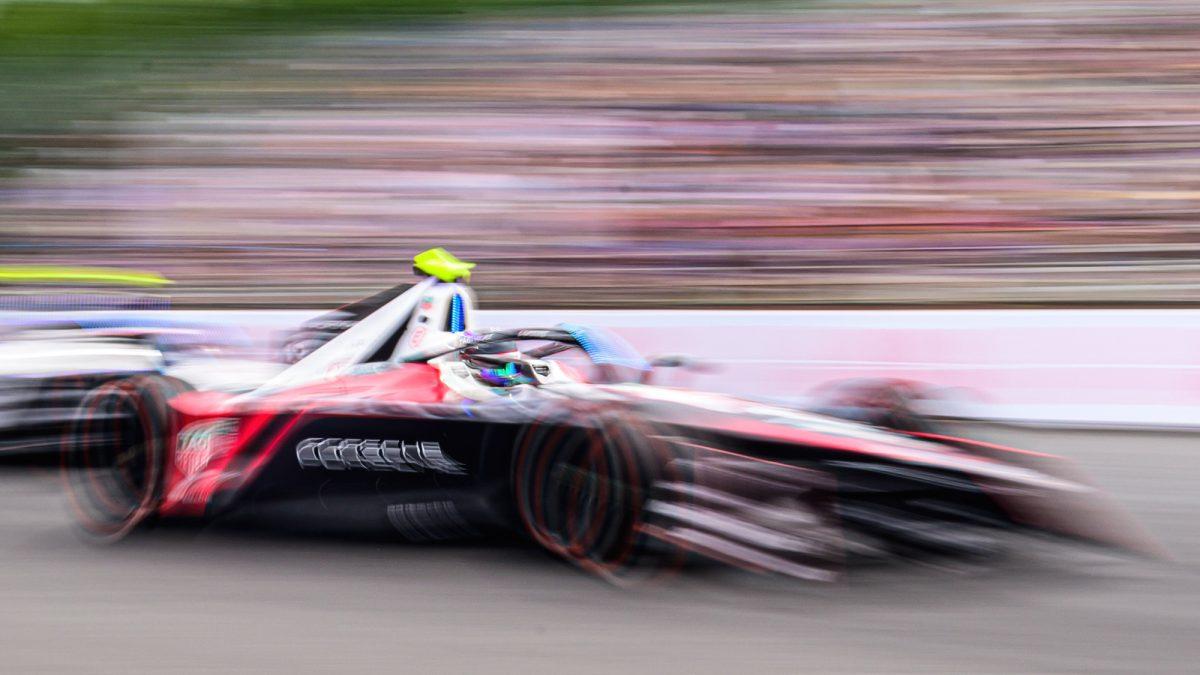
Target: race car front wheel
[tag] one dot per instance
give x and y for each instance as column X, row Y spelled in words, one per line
column 581, row 487
column 114, row 454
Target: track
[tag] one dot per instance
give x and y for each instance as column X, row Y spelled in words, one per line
column 219, row 600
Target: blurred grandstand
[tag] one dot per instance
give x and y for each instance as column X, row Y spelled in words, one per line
column 829, row 153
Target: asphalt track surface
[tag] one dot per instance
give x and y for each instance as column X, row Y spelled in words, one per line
column 225, row 601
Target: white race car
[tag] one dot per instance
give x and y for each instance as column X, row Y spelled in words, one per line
column 47, row 365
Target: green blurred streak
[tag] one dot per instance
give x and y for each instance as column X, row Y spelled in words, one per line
column 33, row 274
column 62, row 61
column 42, row 28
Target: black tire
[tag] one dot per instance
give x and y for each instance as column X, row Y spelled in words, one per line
column 115, row 451
column 581, row 486
column 304, row 342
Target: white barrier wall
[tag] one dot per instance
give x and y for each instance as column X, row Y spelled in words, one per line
column 1121, row 367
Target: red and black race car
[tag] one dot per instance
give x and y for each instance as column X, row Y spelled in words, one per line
column 409, row 422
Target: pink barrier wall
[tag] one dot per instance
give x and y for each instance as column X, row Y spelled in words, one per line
column 1084, row 366
column 1125, row 367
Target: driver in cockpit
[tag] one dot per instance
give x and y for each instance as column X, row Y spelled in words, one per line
column 498, row 364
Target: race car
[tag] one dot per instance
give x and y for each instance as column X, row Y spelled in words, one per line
column 411, row 423
column 50, row 360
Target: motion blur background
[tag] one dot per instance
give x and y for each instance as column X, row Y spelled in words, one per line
column 633, row 154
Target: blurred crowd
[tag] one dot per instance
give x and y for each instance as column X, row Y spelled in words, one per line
column 785, row 154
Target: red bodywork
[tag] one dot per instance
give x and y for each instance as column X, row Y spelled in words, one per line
column 222, row 443
column 233, row 458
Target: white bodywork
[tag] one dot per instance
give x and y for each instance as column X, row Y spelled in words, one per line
column 35, row 355
column 224, row 374
column 46, row 353
column 422, row 312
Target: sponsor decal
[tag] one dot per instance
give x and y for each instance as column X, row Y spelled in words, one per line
column 417, row 336
column 202, row 442
column 336, row 367
column 374, row 454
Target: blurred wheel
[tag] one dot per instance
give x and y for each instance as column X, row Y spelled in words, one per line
column 581, row 492
column 114, row 454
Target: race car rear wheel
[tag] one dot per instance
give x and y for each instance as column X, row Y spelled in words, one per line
column 882, row 402
column 114, row 454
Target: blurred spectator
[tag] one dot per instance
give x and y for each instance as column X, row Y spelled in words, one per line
column 880, row 153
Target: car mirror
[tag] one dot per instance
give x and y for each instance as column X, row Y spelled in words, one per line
column 688, row 363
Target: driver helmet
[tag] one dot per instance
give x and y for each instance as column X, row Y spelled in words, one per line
column 498, row 364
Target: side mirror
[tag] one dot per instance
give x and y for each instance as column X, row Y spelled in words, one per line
column 688, row 363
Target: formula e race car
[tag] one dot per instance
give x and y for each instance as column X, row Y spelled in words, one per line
column 413, row 423
column 50, row 361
